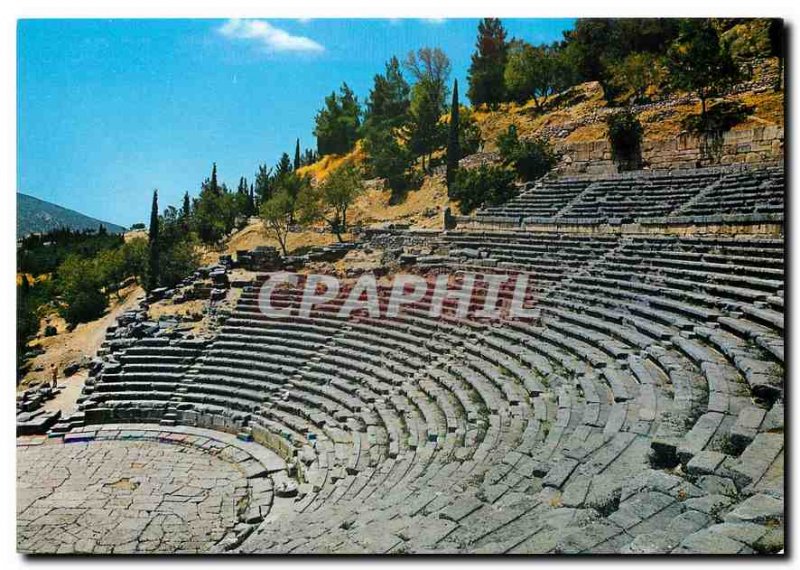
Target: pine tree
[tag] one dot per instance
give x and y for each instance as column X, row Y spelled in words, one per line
column 263, row 183
column 488, row 64
column 387, row 105
column 283, row 167
column 338, row 122
column 453, row 148
column 297, row 154
column 153, row 244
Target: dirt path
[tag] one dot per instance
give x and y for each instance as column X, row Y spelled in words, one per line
column 67, row 347
column 67, row 399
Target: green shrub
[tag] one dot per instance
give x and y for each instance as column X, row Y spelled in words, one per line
column 625, row 135
column 530, row 159
column 86, row 306
column 719, row 118
column 483, row 186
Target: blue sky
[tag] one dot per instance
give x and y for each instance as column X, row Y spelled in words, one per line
column 107, row 110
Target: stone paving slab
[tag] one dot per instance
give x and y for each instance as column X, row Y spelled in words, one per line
column 140, row 489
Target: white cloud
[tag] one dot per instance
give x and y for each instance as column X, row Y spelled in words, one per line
column 434, row 20
column 268, row 36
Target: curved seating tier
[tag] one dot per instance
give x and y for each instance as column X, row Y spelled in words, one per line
column 643, row 195
column 638, row 410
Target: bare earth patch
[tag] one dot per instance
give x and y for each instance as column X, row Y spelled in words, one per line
column 83, row 341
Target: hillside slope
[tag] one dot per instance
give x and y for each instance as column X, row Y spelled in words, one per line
column 38, row 216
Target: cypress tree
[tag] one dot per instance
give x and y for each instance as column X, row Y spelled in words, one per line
column 213, row 184
column 297, row 154
column 187, row 208
column 453, row 148
column 153, row 242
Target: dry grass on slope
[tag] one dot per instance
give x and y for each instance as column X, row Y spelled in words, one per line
column 578, row 114
column 421, row 208
column 320, row 170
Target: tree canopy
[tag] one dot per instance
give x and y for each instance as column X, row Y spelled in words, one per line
column 337, row 123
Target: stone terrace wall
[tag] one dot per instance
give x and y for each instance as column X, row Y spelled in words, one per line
column 760, row 144
column 710, row 225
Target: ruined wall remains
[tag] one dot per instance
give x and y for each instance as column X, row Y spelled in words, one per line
column 760, row 144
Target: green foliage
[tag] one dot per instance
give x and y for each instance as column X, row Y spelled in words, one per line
column 42, row 254
column 388, row 101
column 283, row 167
column 534, row 73
column 625, row 135
column 153, row 265
column 169, row 254
column 469, row 133
column 636, row 73
column 775, row 35
column 178, row 259
column 243, row 201
column 27, row 317
column 310, row 156
column 699, row 61
column 85, row 306
column 387, row 155
column 431, row 69
column 186, row 208
column 135, row 254
column 111, row 269
column 263, row 187
column 388, row 158
column 595, row 45
column 483, row 186
column 427, row 133
column 530, row 159
column 453, row 147
column 293, row 185
column 80, row 282
column 276, row 214
column 217, row 211
column 485, row 77
column 337, row 123
column 337, row 193
column 720, row 117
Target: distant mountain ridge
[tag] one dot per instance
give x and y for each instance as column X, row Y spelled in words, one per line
column 39, row 216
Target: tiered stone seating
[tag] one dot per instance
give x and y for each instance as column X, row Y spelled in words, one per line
column 627, row 198
column 758, row 191
column 751, row 193
column 638, row 409
column 543, row 199
column 141, row 385
column 547, row 256
column 635, row 364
